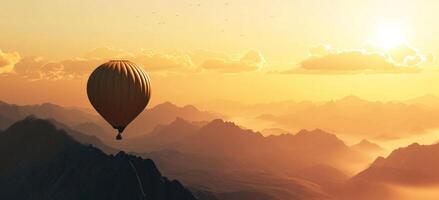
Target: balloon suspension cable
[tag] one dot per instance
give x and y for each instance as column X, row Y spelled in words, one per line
column 139, row 181
column 120, row 130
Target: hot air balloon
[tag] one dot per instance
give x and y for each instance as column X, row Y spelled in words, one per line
column 119, row 90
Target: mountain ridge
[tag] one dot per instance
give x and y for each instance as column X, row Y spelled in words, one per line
column 43, row 162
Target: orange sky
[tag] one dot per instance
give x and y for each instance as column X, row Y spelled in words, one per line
column 249, row 51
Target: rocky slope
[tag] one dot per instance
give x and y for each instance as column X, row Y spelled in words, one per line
column 40, row 161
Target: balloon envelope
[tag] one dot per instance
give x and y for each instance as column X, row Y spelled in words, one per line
column 119, row 90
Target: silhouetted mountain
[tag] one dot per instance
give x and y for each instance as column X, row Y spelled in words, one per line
column 68, row 116
column 415, row 164
column 165, row 113
column 309, row 148
column 222, row 138
column 352, row 115
column 226, row 140
column 273, row 131
column 235, row 108
column 367, row 146
column 233, row 162
column 93, row 124
column 92, row 129
column 84, row 138
column 161, row 136
column 412, row 168
column 39, row 161
column 323, row 175
column 225, row 179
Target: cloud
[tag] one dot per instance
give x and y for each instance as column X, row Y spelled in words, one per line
column 151, row 61
column 326, row 60
column 39, row 68
column 53, row 71
column 199, row 56
column 251, row 61
column 30, row 67
column 7, row 61
column 406, row 55
column 80, row 67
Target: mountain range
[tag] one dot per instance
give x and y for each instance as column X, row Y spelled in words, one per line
column 412, row 165
column 165, row 113
column 225, row 159
column 216, row 159
column 10, row 113
column 353, row 116
column 92, row 124
column 224, row 139
column 40, row 161
column 412, row 168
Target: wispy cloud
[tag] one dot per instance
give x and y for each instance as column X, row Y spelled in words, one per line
column 251, row 61
column 326, row 60
column 7, row 61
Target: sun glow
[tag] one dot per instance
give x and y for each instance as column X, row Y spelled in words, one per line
column 388, row 37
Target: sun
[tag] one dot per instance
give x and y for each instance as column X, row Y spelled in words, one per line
column 389, row 36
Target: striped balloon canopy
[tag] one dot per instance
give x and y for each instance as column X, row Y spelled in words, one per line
column 119, row 90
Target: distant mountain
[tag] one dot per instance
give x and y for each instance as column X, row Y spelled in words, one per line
column 83, row 138
column 235, row 108
column 163, row 114
column 404, row 174
column 229, row 141
column 226, row 179
column 222, row 138
column 273, row 131
column 232, row 162
column 93, row 129
column 367, row 147
column 92, row 124
column 354, row 116
column 10, row 113
column 40, row 161
column 317, row 147
column 161, row 136
column 412, row 165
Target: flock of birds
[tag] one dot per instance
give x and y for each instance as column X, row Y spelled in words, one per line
column 225, row 4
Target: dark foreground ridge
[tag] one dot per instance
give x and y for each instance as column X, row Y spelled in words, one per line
column 38, row 161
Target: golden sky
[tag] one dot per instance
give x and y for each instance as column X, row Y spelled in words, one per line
column 249, row 51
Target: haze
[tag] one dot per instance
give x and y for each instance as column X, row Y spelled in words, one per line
column 359, row 78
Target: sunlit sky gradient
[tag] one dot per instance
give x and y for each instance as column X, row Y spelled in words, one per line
column 250, row 51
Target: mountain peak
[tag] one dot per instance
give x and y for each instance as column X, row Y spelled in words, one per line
column 178, row 125
column 319, row 136
column 165, row 105
column 35, row 145
column 221, row 127
column 219, row 123
column 411, row 165
column 366, row 145
column 365, row 142
column 190, row 107
column 179, row 120
column 315, row 132
column 46, row 129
